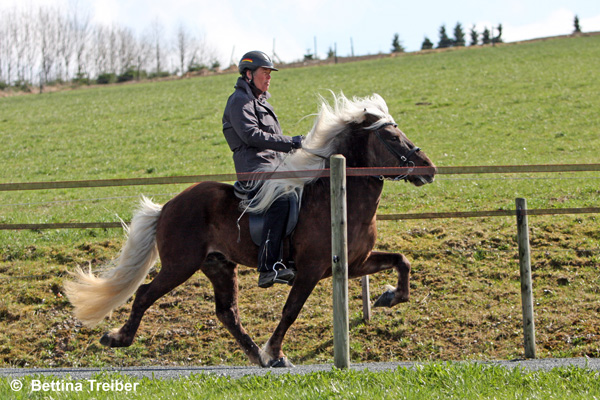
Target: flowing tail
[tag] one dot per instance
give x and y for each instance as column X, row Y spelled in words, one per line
column 95, row 297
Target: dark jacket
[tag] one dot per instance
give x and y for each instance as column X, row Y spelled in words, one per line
column 252, row 129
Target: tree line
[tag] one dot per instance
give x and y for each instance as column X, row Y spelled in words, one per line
column 48, row 45
column 487, row 36
column 459, row 39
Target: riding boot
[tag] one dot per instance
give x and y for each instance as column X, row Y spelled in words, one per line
column 270, row 265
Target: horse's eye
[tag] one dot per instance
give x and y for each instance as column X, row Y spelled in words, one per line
column 395, row 139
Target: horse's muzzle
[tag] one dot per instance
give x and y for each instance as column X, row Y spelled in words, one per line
column 423, row 176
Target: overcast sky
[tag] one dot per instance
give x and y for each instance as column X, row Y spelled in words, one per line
column 290, row 27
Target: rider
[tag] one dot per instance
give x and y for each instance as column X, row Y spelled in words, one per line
column 254, row 135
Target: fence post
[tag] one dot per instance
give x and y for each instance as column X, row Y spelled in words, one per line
column 526, row 284
column 366, row 298
column 339, row 252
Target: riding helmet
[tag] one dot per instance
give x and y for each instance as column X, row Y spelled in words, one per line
column 254, row 60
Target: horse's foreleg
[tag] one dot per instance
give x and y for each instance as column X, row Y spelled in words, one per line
column 378, row 261
column 223, row 276
column 167, row 279
column 271, row 354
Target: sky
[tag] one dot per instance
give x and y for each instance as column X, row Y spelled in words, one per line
column 291, row 28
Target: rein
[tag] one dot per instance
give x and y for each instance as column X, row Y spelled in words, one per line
column 403, row 158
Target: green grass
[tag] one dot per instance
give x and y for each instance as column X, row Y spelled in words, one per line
column 426, row 381
column 531, row 103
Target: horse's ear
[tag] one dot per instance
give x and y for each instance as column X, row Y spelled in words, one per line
column 369, row 117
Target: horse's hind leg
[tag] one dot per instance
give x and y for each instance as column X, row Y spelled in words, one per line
column 223, row 276
column 167, row 279
column 378, row 261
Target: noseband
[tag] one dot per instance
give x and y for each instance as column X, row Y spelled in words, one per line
column 403, row 158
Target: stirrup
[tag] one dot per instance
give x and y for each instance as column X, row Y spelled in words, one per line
column 268, row 278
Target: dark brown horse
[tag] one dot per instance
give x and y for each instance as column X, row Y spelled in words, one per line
column 198, row 230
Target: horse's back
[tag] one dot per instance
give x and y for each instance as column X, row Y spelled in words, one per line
column 198, row 198
column 201, row 219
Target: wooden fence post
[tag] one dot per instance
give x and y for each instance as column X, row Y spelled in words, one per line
column 526, row 284
column 339, row 252
column 366, row 298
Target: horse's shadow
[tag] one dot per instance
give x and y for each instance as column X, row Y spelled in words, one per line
column 326, row 346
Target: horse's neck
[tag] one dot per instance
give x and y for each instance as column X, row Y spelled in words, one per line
column 364, row 194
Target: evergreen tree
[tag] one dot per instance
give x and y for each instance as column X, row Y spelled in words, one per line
column 474, row 37
column 397, row 45
column 445, row 41
column 485, row 36
column 459, row 36
column 498, row 39
column 576, row 25
column 427, row 44
column 330, row 53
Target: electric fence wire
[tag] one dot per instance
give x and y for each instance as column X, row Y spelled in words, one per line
column 175, row 193
column 470, row 252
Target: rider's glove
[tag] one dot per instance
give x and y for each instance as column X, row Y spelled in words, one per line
column 297, row 142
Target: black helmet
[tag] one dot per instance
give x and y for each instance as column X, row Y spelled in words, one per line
column 254, row 60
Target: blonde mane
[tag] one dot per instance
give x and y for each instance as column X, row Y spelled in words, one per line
column 320, row 143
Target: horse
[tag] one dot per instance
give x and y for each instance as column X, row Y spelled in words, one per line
column 205, row 228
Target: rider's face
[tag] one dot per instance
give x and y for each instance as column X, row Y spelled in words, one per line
column 262, row 79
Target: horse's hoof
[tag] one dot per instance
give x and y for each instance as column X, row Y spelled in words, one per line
column 109, row 341
column 385, row 300
column 282, row 362
column 106, row 340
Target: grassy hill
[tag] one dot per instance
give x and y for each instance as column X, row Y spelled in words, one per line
column 531, row 103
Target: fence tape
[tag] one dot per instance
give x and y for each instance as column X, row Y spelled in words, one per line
column 380, row 217
column 506, row 169
column 489, row 169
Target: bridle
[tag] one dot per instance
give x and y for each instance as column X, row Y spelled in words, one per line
column 403, row 158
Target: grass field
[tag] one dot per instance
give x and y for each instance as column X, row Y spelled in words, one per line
column 429, row 381
column 531, row 103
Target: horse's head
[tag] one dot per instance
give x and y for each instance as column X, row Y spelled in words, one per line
column 388, row 147
column 364, row 132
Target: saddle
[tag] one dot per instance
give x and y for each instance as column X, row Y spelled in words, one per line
column 257, row 221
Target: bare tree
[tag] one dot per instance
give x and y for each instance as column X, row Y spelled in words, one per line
column 113, row 49
column 64, row 45
column 42, row 44
column 143, row 54
column 72, row 38
column 183, row 42
column 128, row 49
column 29, row 23
column 4, row 49
column 101, row 49
column 156, row 33
column 202, row 54
column 19, row 43
column 81, row 36
column 25, row 45
column 2, row 45
column 47, row 30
